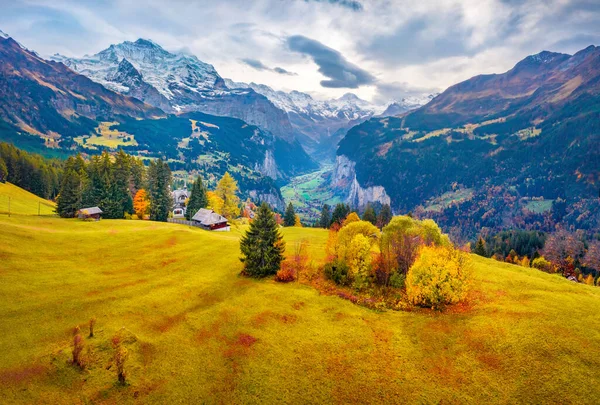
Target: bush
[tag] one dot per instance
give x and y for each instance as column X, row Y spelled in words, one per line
column 287, row 273
column 438, row 277
column 397, row 280
column 338, row 272
column 542, row 264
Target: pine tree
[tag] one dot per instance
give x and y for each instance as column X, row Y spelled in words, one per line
column 227, row 191
column 69, row 197
column 289, row 218
column 369, row 214
column 385, row 216
column 198, row 199
column 3, row 171
column 480, row 248
column 340, row 212
column 159, row 182
column 262, row 246
column 325, row 219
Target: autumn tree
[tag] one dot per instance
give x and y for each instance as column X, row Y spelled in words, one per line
column 289, row 218
column 262, row 246
column 562, row 248
column 592, row 256
column 352, row 217
column 159, row 183
column 369, row 214
column 198, row 199
column 227, row 191
column 141, row 204
column 215, row 202
column 297, row 222
column 325, row 219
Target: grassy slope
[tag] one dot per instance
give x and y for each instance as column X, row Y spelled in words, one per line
column 204, row 333
column 23, row 202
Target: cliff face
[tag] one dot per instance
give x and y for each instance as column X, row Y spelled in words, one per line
column 269, row 166
column 344, row 180
column 273, row 199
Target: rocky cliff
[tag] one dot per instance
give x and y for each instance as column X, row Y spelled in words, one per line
column 343, row 180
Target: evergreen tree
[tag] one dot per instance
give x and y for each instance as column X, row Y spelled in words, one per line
column 159, row 182
column 198, row 199
column 227, row 191
column 289, row 218
column 3, row 171
column 262, row 246
column 325, row 219
column 480, row 248
column 385, row 216
column 369, row 214
column 121, row 170
column 69, row 197
column 340, row 212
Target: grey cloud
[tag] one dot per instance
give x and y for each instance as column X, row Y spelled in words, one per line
column 258, row 65
column 332, row 64
column 398, row 91
column 351, row 4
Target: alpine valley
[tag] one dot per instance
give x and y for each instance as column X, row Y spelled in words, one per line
column 520, row 148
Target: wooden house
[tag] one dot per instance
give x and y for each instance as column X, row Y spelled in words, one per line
column 210, row 220
column 90, row 213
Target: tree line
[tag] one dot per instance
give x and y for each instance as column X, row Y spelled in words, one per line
column 112, row 183
column 29, row 171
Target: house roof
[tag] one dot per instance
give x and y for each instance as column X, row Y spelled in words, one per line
column 91, row 211
column 208, row 217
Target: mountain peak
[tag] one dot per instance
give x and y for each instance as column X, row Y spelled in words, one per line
column 147, row 43
column 349, row 97
column 4, row 35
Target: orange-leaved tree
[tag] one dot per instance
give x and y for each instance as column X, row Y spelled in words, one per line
column 141, row 203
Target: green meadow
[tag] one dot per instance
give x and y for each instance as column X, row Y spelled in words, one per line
column 197, row 332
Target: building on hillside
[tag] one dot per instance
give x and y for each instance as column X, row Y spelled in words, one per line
column 210, row 220
column 90, row 213
column 179, row 199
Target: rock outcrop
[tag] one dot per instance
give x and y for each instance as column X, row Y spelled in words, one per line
column 344, row 181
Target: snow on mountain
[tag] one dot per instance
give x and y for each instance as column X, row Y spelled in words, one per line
column 4, row 35
column 349, row 106
column 406, row 104
column 166, row 72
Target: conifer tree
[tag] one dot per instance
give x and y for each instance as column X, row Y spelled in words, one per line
column 385, row 216
column 159, row 182
column 289, row 218
column 369, row 214
column 3, row 171
column 69, row 197
column 227, row 191
column 325, row 219
column 480, row 248
column 340, row 212
column 198, row 199
column 262, row 246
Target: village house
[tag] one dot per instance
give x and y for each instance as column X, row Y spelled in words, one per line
column 179, row 198
column 90, row 213
column 210, row 220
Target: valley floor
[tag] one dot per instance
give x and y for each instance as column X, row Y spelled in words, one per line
column 197, row 332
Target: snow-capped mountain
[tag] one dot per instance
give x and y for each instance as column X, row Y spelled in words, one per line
column 177, row 82
column 407, row 104
column 318, row 124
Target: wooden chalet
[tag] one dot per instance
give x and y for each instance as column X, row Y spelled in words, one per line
column 210, row 220
column 90, row 213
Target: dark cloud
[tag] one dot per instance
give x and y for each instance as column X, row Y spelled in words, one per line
column 351, row 4
column 258, row 65
column 332, row 64
column 282, row 71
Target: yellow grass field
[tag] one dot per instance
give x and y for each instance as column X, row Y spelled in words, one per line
column 197, row 332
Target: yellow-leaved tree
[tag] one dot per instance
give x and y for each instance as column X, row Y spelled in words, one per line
column 297, row 222
column 360, row 259
column 352, row 217
column 215, row 202
column 227, row 191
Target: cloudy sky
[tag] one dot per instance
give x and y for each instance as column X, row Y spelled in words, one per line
column 378, row 49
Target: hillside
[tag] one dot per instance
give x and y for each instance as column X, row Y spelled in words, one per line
column 23, row 202
column 197, row 331
column 506, row 140
column 50, row 100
